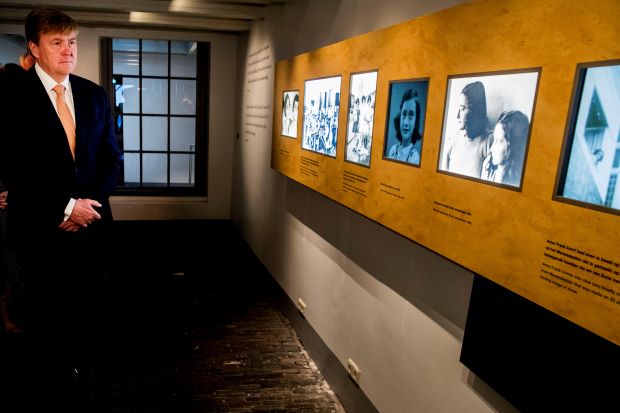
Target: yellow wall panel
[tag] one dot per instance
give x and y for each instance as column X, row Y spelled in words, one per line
column 499, row 233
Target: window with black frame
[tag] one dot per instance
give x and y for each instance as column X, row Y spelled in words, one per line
column 159, row 90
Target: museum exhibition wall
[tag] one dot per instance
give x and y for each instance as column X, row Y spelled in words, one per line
column 487, row 133
column 394, row 307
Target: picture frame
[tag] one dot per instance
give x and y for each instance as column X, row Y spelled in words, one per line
column 590, row 159
column 406, row 116
column 487, row 124
column 290, row 113
column 360, row 117
column 321, row 111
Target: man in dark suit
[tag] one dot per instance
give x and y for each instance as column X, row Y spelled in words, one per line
column 60, row 161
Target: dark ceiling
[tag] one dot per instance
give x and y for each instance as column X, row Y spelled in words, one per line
column 195, row 15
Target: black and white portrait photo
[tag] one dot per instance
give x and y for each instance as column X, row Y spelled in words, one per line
column 405, row 121
column 290, row 112
column 361, row 116
column 321, row 106
column 592, row 155
column 486, row 125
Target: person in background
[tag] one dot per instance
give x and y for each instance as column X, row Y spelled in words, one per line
column 467, row 149
column 59, row 171
column 407, row 126
column 10, row 283
column 26, row 60
column 505, row 161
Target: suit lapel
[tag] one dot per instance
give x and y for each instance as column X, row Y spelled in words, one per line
column 42, row 97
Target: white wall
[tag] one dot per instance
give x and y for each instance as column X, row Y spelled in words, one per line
column 397, row 309
column 221, row 124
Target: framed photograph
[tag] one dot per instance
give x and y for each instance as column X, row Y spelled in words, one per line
column 486, row 126
column 321, row 106
column 590, row 162
column 290, row 112
column 361, row 114
column 404, row 126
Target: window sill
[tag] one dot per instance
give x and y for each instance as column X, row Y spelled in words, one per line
column 134, row 199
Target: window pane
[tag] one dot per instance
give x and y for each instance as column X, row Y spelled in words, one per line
column 182, row 134
column 181, row 169
column 155, row 86
column 155, row 58
column 132, row 168
column 127, row 96
column 155, row 168
column 125, row 56
column 131, row 133
column 183, row 99
column 155, row 96
column 183, row 59
column 126, row 45
column 155, row 133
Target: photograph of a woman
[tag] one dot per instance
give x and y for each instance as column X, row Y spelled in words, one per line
column 290, row 109
column 469, row 145
column 480, row 110
column 405, row 122
column 505, row 158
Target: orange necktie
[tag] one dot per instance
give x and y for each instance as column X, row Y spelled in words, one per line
column 65, row 117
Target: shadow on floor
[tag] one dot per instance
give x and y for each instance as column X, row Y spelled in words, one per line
column 187, row 324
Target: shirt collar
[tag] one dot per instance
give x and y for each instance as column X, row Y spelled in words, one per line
column 49, row 82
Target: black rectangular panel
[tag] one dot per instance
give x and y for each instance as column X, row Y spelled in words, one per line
column 537, row 360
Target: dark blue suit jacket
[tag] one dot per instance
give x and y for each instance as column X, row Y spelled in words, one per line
column 36, row 162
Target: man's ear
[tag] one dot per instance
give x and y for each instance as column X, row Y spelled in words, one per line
column 34, row 49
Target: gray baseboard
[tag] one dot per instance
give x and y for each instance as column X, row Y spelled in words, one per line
column 351, row 396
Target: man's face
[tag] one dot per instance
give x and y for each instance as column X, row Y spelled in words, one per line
column 56, row 53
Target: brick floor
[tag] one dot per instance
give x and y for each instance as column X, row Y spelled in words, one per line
column 207, row 339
